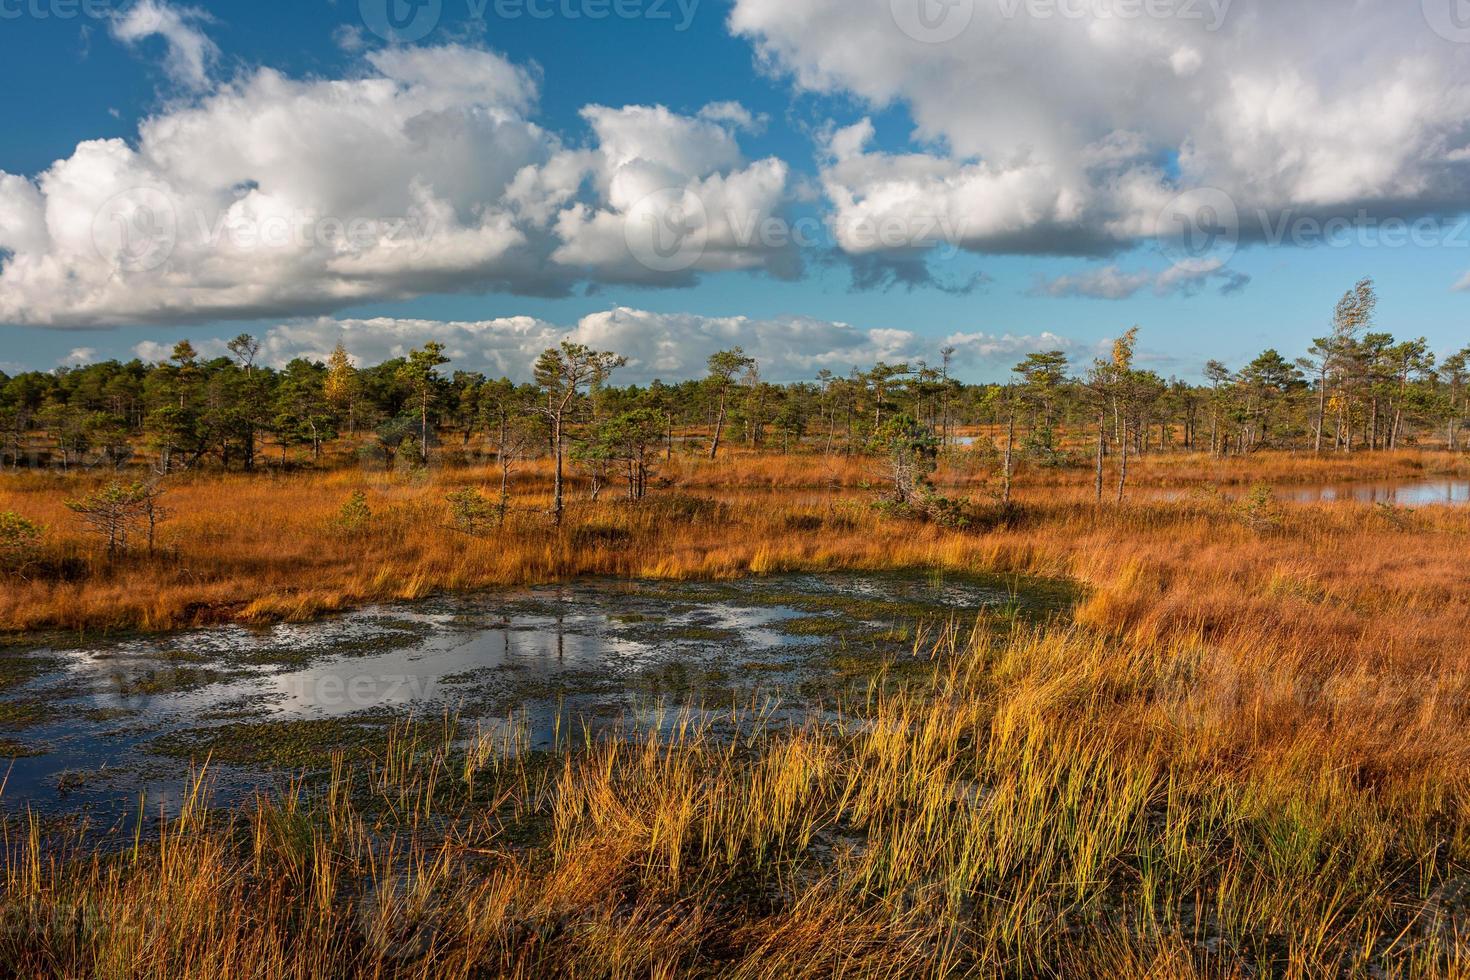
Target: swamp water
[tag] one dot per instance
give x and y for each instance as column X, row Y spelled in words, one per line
column 1396, row 493
column 1418, row 493
column 92, row 726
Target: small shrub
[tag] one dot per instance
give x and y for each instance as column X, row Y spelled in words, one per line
column 1397, row 517
column 1259, row 510
column 927, row 506
column 944, row 511
column 20, row 543
column 895, row 509
column 470, row 512
column 354, row 513
column 911, row 455
column 410, row 459
column 983, row 453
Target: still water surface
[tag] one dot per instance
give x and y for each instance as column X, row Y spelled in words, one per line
column 1420, row 493
column 110, row 720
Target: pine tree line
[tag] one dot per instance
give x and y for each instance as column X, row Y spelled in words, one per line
column 1356, row 389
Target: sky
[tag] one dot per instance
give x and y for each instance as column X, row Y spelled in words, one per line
column 823, row 182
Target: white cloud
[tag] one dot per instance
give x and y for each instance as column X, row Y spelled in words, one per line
column 505, row 346
column 978, row 348
column 884, row 201
column 151, row 351
column 78, row 355
column 190, row 51
column 154, row 352
column 735, row 114
column 425, row 172
column 670, row 346
column 1067, row 129
column 674, row 182
column 1110, row 282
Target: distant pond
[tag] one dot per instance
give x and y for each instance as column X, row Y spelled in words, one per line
column 1419, row 493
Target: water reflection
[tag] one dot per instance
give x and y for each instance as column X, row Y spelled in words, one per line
column 1416, row 494
column 558, row 659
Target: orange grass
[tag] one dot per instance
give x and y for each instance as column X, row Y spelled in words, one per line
column 252, row 548
column 1248, row 755
column 1048, row 803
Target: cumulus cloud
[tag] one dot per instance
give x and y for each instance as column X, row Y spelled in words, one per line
column 190, row 52
column 1068, row 129
column 678, row 198
column 884, row 201
column 1110, row 282
column 1049, row 129
column 78, row 355
column 423, row 172
column 668, row 346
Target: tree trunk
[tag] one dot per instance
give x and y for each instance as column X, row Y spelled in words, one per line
column 556, row 493
column 1102, row 449
column 1321, row 410
column 504, row 484
column 1123, row 466
column 714, row 446
column 1010, row 440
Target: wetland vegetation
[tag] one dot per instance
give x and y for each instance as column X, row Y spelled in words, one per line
column 894, row 691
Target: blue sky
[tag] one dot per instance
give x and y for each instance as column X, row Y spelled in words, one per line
column 800, row 72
